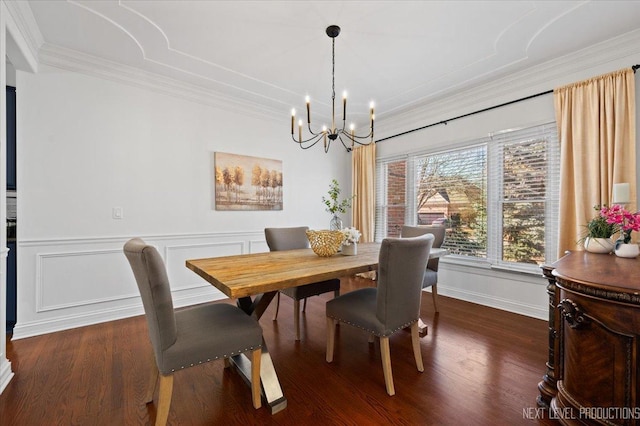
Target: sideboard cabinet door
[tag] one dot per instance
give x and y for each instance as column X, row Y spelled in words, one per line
column 598, row 352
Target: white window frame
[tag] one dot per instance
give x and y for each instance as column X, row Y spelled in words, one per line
column 495, row 143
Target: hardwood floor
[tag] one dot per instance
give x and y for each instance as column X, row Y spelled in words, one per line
column 482, row 367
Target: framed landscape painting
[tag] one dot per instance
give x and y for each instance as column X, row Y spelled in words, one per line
column 242, row 182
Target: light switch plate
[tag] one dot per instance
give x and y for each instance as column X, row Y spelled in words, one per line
column 117, row 213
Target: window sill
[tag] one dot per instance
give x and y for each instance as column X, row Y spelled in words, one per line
column 530, row 270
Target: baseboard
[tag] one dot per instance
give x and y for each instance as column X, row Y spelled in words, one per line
column 36, row 328
column 5, row 374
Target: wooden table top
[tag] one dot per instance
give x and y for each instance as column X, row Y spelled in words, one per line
column 249, row 274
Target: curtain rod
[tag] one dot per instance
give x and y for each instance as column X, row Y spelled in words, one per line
column 634, row 68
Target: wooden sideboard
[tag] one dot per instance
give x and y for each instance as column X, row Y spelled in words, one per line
column 593, row 375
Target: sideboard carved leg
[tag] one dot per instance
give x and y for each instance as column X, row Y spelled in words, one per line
column 547, row 388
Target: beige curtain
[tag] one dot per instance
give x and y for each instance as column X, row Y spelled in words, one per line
column 597, row 131
column 363, row 179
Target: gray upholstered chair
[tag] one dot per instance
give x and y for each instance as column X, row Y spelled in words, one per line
column 393, row 305
column 431, row 273
column 190, row 336
column 291, row 239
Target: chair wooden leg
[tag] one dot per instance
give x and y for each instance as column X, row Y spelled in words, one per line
column 275, row 316
column 386, row 365
column 227, row 363
column 164, row 399
column 304, row 305
column 256, row 356
column 331, row 337
column 415, row 342
column 296, row 318
column 336, row 293
column 372, row 338
column 153, row 383
column 434, row 296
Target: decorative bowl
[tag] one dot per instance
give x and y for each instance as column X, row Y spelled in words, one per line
column 325, row 243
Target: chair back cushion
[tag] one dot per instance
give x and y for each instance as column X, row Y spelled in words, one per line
column 415, row 231
column 401, row 268
column 287, row 238
column 153, row 283
column 438, row 233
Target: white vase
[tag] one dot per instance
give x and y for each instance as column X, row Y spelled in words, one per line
column 627, row 250
column 598, row 245
column 350, row 250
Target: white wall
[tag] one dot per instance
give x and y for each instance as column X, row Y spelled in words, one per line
column 87, row 145
column 515, row 292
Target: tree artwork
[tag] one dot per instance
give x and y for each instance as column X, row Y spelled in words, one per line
column 234, row 191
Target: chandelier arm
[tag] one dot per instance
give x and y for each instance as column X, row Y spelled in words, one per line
column 364, row 143
column 313, row 139
column 354, row 137
column 343, row 144
column 312, row 132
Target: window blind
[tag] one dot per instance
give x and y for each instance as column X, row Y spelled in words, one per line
column 451, row 189
column 524, row 176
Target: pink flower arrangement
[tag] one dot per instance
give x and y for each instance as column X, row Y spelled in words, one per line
column 624, row 220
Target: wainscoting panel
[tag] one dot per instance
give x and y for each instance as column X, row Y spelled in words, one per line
column 258, row 246
column 73, row 279
column 76, row 282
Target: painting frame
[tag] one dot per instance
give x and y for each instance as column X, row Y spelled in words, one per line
column 247, row 183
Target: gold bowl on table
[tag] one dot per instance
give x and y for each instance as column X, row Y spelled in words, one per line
column 325, row 243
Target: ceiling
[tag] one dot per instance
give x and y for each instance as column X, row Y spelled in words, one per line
column 270, row 54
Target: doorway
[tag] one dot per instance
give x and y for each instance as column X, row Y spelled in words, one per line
column 11, row 212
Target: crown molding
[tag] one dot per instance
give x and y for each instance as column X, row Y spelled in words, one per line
column 25, row 21
column 586, row 63
column 71, row 60
column 25, row 31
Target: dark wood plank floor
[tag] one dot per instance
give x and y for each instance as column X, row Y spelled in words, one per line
column 482, row 367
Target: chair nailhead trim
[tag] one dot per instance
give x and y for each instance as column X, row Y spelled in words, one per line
column 251, row 348
column 371, row 331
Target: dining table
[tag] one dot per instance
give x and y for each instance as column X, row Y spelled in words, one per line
column 254, row 280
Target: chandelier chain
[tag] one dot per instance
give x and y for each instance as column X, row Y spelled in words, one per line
column 333, row 69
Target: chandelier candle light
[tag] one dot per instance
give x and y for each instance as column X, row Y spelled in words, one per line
column 334, row 132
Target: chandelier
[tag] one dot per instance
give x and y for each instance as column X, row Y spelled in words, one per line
column 348, row 138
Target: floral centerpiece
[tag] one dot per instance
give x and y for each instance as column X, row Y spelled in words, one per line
column 599, row 226
column 350, row 237
column 626, row 222
column 598, row 232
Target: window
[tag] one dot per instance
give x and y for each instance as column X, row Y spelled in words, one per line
column 391, row 204
column 497, row 196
